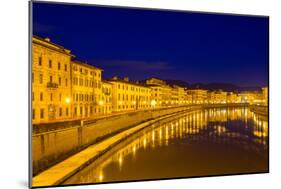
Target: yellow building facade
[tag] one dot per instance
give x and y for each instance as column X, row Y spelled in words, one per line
column 198, row 96
column 128, row 96
column 217, row 97
column 51, row 81
column 86, row 89
column 179, row 95
column 161, row 93
column 65, row 89
column 265, row 95
column 106, row 100
column 232, row 98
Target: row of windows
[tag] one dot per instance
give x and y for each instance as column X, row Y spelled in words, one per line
column 132, row 106
column 85, row 71
column 106, row 90
column 86, row 82
column 126, row 87
column 51, row 80
column 83, row 97
column 41, row 96
column 42, row 113
column 132, row 97
column 80, row 111
column 51, row 65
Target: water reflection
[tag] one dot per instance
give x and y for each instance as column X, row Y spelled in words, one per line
column 211, row 141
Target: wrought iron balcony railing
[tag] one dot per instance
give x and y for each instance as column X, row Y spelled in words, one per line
column 52, row 85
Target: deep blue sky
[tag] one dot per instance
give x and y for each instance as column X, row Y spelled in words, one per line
column 188, row 46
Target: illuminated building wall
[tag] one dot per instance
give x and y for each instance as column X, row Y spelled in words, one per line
column 265, row 95
column 106, row 100
column 84, row 87
column 232, row 98
column 199, row 96
column 160, row 92
column 178, row 95
column 51, row 81
column 217, row 97
column 251, row 97
column 127, row 96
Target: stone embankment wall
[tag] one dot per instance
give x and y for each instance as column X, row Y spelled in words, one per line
column 53, row 146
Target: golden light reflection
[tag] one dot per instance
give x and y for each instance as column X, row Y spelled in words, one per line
column 191, row 126
column 100, row 177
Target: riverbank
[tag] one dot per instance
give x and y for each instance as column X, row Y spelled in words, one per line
column 63, row 170
column 260, row 110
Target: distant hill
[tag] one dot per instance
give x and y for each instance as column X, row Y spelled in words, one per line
column 213, row 86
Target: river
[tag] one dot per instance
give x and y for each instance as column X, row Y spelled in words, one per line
column 215, row 141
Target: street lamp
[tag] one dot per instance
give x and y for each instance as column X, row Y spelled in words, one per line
column 100, row 102
column 153, row 103
column 67, row 100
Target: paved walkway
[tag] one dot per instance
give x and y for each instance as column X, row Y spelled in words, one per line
column 59, row 172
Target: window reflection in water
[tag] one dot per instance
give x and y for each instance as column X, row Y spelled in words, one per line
column 230, row 126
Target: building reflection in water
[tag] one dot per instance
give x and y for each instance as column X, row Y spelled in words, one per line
column 230, row 126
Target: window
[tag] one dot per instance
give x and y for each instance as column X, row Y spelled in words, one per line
column 41, row 96
column 40, row 61
column 81, row 111
column 59, row 80
column 41, row 78
column 51, row 79
column 66, row 82
column 58, row 65
column 41, row 113
column 51, row 97
column 60, row 97
column 60, row 112
column 66, row 111
column 65, row 67
column 32, row 78
column 50, row 63
column 32, row 96
column 75, row 111
column 33, row 113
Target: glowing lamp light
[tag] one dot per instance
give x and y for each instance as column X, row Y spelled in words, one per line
column 100, row 177
column 100, row 102
column 120, row 102
column 153, row 103
column 67, row 100
column 134, row 102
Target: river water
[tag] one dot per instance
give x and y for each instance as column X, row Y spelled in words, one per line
column 201, row 143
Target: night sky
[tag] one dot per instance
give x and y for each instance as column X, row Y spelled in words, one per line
column 188, row 46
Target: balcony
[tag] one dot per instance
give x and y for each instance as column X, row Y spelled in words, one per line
column 52, row 85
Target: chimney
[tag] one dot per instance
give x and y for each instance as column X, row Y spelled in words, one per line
column 47, row 39
column 126, row 78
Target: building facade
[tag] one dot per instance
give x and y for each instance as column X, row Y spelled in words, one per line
column 128, row 96
column 198, row 96
column 217, row 97
column 106, row 100
column 85, row 89
column 161, row 93
column 265, row 95
column 51, row 81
